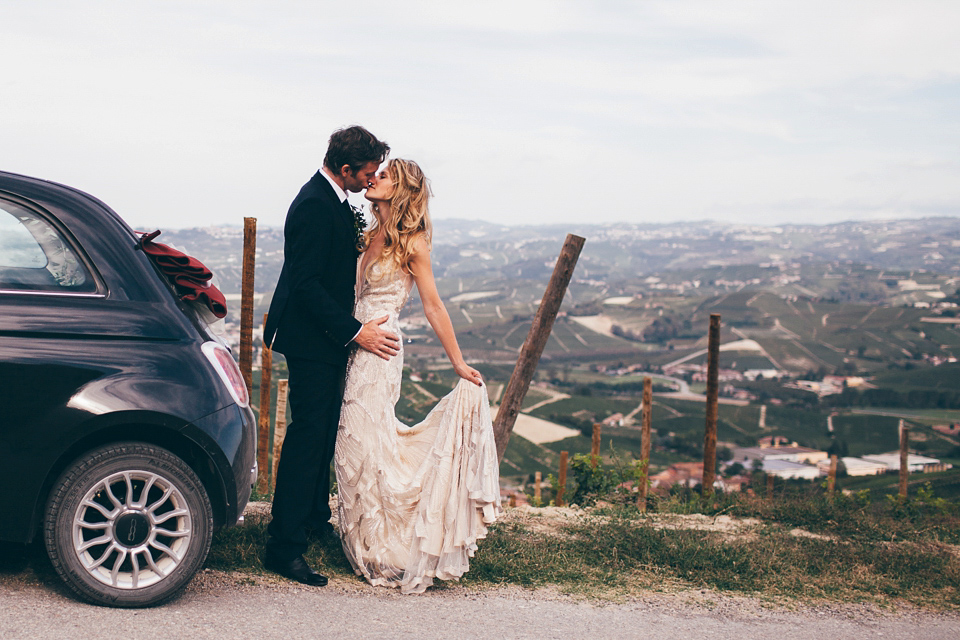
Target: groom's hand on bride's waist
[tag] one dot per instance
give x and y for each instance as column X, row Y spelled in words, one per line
column 378, row 341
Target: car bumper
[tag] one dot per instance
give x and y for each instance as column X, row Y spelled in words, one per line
column 234, row 429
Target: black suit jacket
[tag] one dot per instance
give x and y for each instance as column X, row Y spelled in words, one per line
column 310, row 314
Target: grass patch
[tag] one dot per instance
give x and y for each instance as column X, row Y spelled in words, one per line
column 884, row 552
column 771, row 562
column 624, row 552
column 857, row 517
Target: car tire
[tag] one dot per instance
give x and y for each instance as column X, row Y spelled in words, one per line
column 128, row 525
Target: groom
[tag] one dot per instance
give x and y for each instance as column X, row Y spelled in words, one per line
column 310, row 323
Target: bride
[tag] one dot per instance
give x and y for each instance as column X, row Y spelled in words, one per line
column 413, row 500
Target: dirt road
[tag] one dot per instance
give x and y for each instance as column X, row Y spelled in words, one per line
column 233, row 605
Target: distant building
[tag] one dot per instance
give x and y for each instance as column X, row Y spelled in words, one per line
column 734, row 483
column 614, row 420
column 830, row 385
column 790, row 470
column 915, row 463
column 804, row 385
column 730, row 391
column 855, row 467
column 687, row 474
column 793, row 453
column 690, row 474
column 723, row 375
column 912, row 285
column 766, row 374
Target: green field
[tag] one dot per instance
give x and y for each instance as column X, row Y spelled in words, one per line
column 946, row 377
column 581, row 411
column 524, row 458
column 865, row 434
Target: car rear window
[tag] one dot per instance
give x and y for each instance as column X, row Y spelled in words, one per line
column 34, row 256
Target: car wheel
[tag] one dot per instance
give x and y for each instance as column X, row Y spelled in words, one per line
column 128, row 525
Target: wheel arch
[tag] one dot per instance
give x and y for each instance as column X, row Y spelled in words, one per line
column 171, row 439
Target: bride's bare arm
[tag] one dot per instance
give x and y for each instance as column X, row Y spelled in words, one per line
column 436, row 313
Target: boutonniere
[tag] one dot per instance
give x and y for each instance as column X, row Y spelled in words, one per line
column 359, row 225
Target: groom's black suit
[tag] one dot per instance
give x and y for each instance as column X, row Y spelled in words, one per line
column 309, row 322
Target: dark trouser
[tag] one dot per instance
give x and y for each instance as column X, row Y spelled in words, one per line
column 301, row 496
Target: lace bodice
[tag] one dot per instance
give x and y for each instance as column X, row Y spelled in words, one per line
column 383, row 293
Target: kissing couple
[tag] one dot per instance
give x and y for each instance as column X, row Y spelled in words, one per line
column 412, row 500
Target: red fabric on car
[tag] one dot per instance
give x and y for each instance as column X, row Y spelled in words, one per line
column 189, row 276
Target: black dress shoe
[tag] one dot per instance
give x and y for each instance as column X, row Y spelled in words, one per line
column 296, row 569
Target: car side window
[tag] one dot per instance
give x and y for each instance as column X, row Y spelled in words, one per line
column 34, row 256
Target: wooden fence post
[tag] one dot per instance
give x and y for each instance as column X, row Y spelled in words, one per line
column 536, row 340
column 713, row 387
column 832, row 475
column 246, row 301
column 537, row 496
column 645, row 443
column 263, row 441
column 770, row 487
column 279, row 427
column 904, row 460
column 562, row 480
column 595, row 444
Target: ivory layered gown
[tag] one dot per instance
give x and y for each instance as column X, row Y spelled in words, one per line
column 413, row 500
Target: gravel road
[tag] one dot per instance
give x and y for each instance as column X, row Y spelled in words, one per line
column 233, row 605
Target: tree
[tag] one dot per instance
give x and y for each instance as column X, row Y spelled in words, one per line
column 839, row 448
column 735, row 469
column 841, row 469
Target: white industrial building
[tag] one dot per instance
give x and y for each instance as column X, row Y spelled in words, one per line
column 790, row 470
column 915, row 463
column 856, row 466
column 793, row 453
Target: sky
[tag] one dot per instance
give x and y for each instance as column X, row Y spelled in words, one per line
column 197, row 113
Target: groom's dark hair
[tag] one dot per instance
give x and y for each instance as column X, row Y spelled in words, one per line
column 354, row 146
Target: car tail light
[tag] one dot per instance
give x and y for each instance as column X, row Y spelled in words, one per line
column 227, row 369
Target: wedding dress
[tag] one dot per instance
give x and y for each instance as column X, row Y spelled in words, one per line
column 412, row 500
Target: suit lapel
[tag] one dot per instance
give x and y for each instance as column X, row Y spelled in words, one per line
column 340, row 212
column 341, row 209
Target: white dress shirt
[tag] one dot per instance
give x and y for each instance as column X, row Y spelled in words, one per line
column 340, row 192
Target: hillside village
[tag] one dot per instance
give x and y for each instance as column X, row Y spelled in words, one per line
column 830, row 336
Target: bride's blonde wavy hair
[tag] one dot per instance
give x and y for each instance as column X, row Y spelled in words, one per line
column 409, row 217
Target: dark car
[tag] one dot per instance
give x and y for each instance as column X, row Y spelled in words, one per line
column 125, row 432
